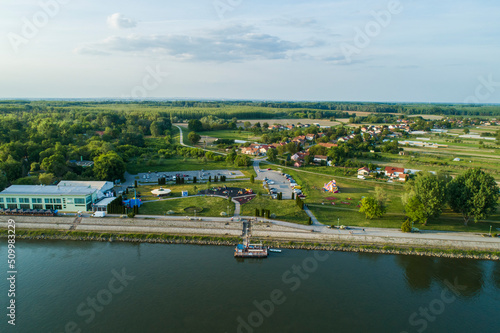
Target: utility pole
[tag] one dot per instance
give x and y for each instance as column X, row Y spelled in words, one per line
column 490, row 230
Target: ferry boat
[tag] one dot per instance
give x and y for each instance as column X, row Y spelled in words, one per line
column 250, row 251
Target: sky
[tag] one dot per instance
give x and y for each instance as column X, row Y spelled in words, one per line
column 444, row 51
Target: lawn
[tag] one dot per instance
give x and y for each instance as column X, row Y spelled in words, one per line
column 285, row 210
column 211, row 206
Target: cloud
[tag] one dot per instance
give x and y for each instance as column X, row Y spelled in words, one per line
column 235, row 44
column 119, row 21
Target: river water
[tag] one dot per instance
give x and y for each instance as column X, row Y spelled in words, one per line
column 65, row 286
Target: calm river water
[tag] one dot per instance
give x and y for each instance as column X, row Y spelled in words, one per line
column 67, row 286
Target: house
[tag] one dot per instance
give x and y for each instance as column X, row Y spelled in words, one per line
column 250, row 151
column 301, row 139
column 402, row 177
column 319, row 158
column 393, row 172
column 310, row 137
column 298, row 164
column 364, row 171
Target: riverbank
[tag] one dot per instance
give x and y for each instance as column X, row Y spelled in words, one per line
column 231, row 241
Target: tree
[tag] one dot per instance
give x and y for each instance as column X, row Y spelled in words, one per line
column 252, row 179
column 109, row 166
column 247, row 124
column 371, row 208
column 430, row 193
column 473, row 194
column 55, row 164
column 46, row 178
column 3, row 181
column 194, row 137
column 195, row 125
column 272, row 154
column 11, row 168
column 380, row 196
column 406, row 226
column 242, row 160
column 466, row 131
column 415, row 210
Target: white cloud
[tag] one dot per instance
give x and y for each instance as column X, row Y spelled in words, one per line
column 119, row 21
column 237, row 43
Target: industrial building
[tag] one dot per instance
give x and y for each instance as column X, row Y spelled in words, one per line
column 67, row 196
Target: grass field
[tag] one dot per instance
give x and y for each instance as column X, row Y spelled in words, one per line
column 211, row 206
column 285, row 210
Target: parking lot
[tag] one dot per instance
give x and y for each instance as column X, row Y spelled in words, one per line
column 275, row 181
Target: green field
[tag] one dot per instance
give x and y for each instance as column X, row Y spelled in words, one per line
column 285, row 210
column 211, row 206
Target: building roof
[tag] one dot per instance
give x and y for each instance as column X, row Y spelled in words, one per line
column 105, row 202
column 102, row 186
column 391, row 170
column 53, row 190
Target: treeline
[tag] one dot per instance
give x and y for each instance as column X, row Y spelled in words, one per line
column 185, row 110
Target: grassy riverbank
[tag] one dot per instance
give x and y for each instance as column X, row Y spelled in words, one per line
column 231, row 241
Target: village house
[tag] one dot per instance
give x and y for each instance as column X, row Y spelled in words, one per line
column 364, row 171
column 393, row 172
column 310, row 137
column 320, row 158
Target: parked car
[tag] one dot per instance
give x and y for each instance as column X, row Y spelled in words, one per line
column 270, row 182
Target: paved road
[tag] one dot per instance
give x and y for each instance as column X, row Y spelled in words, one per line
column 181, row 138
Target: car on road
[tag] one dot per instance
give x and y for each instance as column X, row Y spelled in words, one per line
column 271, row 182
column 268, row 169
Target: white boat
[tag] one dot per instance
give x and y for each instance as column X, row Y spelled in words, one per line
column 275, row 250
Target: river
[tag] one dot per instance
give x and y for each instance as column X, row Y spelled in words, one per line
column 67, row 286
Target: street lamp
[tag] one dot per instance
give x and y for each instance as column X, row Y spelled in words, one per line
column 338, row 222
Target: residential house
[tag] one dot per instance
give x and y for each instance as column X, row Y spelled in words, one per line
column 393, row 172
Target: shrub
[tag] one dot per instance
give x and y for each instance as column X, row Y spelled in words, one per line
column 406, row 226
column 131, row 214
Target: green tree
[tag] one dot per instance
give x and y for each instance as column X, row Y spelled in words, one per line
column 247, row 125
column 406, row 226
column 3, row 181
column 415, row 210
column 371, row 208
column 11, row 168
column 272, row 153
column 473, row 194
column 55, row 164
column 109, row 166
column 195, row 125
column 46, row 178
column 430, row 190
column 194, row 137
column 252, row 179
